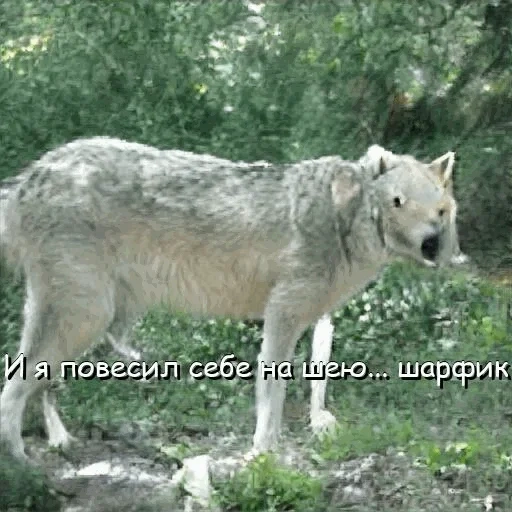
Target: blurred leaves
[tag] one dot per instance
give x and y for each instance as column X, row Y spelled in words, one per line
column 276, row 81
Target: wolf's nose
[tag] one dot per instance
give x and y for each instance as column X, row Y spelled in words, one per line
column 430, row 247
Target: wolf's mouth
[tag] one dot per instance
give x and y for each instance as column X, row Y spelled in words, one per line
column 430, row 248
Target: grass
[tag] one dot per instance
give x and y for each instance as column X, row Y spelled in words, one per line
column 459, row 436
column 23, row 488
column 264, row 485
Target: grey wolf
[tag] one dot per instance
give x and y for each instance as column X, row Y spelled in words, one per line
column 321, row 420
column 103, row 229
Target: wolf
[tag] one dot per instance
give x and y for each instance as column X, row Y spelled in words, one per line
column 321, row 420
column 104, row 228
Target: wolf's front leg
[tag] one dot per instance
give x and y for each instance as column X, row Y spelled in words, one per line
column 281, row 332
column 321, row 419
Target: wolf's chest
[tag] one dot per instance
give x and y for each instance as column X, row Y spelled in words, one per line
column 348, row 282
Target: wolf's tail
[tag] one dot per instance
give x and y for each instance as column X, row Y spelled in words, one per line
column 7, row 188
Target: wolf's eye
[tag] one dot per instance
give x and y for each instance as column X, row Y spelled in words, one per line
column 397, row 202
column 441, row 212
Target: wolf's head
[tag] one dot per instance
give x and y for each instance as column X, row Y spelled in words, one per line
column 415, row 205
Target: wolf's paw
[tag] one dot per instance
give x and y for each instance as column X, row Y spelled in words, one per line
column 254, row 453
column 460, row 259
column 251, row 454
column 61, row 438
column 323, row 423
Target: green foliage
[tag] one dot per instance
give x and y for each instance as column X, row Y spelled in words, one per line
column 263, row 486
column 439, row 459
column 11, row 306
column 24, row 489
column 354, row 439
column 485, row 191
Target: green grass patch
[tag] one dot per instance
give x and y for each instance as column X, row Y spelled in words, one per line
column 264, row 486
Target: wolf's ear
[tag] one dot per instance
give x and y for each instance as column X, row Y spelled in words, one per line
column 344, row 189
column 442, row 167
column 377, row 159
